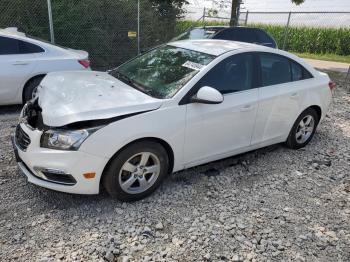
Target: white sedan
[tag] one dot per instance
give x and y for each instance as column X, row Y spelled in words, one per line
column 24, row 62
column 177, row 106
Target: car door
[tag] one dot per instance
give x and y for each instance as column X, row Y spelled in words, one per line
column 16, row 64
column 213, row 131
column 279, row 97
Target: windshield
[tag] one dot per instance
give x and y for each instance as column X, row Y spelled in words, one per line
column 197, row 33
column 163, row 71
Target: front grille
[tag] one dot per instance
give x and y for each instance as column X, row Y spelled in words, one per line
column 22, row 139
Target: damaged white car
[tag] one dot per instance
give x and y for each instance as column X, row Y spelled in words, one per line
column 177, row 106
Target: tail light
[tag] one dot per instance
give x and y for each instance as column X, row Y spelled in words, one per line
column 332, row 85
column 84, row 62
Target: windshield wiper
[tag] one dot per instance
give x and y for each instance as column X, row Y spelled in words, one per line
column 131, row 82
column 134, row 84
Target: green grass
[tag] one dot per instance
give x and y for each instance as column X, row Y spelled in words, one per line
column 325, row 57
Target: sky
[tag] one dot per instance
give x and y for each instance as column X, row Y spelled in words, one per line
column 195, row 11
column 286, row 5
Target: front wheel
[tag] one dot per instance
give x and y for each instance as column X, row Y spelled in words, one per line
column 136, row 171
column 31, row 89
column 303, row 129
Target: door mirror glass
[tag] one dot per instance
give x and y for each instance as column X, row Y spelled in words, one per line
column 208, row 95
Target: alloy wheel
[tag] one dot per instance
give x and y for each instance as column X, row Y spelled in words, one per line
column 305, row 129
column 139, row 173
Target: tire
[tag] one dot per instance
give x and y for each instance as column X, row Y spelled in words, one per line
column 300, row 136
column 128, row 176
column 30, row 88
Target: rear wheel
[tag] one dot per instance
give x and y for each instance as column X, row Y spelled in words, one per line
column 303, row 129
column 31, row 88
column 136, row 171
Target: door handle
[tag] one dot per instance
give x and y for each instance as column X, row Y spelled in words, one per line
column 247, row 108
column 294, row 95
column 20, row 63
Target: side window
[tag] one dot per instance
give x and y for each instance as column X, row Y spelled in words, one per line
column 299, row 72
column 29, row 48
column 233, row 74
column 275, row 69
column 8, row 46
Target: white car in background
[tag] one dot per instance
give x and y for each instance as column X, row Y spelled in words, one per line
column 25, row 61
column 177, row 106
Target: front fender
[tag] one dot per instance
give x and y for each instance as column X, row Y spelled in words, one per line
column 167, row 124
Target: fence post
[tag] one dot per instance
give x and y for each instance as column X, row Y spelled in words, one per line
column 138, row 28
column 49, row 9
column 286, row 31
column 246, row 18
column 203, row 16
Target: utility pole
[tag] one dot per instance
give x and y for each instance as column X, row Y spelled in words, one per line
column 49, row 8
column 138, row 28
column 235, row 11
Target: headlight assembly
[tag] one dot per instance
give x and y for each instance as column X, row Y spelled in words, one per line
column 65, row 139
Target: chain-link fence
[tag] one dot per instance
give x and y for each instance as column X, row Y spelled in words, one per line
column 304, row 32
column 112, row 31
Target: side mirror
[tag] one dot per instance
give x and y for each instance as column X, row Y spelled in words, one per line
column 207, row 95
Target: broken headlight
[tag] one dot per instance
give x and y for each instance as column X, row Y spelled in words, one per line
column 65, row 139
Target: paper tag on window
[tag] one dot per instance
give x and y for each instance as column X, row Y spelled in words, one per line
column 193, row 65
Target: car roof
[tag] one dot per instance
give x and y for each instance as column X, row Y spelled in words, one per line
column 12, row 31
column 214, row 46
column 227, row 27
column 211, row 27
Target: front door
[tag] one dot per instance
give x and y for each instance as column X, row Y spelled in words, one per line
column 212, row 131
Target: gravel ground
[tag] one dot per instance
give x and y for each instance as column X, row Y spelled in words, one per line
column 273, row 204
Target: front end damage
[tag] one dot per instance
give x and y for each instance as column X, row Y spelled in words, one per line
column 60, row 170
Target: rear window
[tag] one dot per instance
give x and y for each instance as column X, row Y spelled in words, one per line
column 197, row 33
column 265, row 39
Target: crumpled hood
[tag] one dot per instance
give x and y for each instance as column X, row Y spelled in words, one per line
column 68, row 97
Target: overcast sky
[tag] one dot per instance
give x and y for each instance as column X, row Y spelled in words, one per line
column 286, row 5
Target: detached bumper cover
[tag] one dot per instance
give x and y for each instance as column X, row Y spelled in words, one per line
column 72, row 163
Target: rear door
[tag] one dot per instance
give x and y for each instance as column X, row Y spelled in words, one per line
column 280, row 96
column 17, row 62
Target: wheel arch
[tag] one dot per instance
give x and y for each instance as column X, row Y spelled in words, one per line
column 160, row 141
column 27, row 83
column 318, row 111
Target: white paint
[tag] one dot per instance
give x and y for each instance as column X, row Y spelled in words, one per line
column 68, row 97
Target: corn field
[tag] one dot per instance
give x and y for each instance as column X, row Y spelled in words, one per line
column 300, row 39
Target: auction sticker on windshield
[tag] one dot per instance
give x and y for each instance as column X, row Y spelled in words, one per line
column 193, row 65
